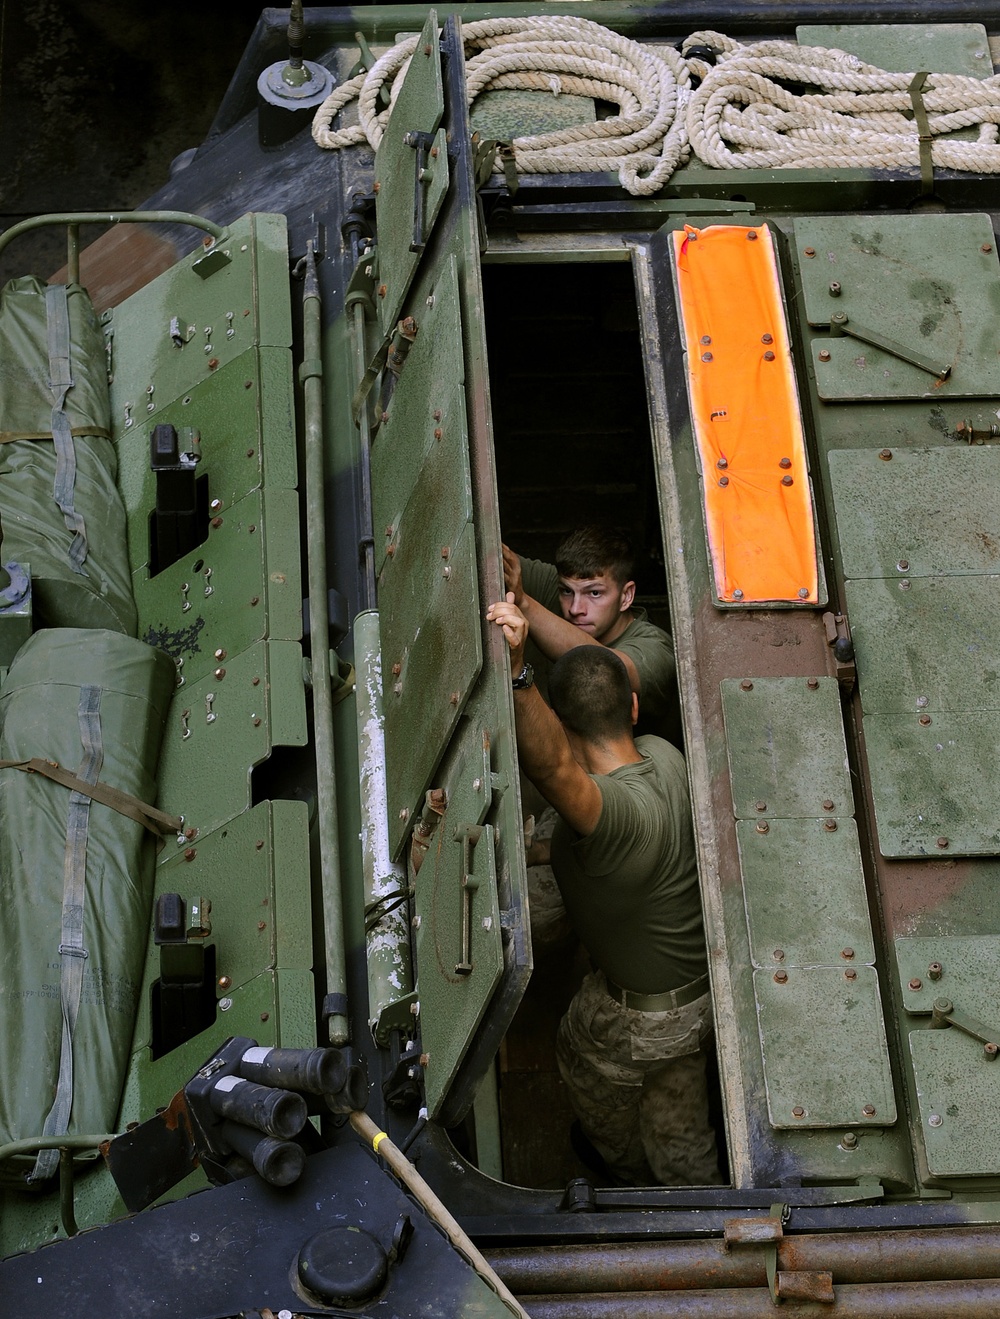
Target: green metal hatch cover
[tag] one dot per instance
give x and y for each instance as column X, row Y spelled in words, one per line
column 911, row 325
column 958, row 1084
column 805, row 893
column 823, row 1045
column 905, row 513
column 787, row 754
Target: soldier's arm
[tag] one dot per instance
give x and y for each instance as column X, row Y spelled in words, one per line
column 542, row 747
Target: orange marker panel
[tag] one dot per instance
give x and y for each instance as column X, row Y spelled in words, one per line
column 745, row 406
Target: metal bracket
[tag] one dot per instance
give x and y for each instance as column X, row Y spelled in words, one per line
column 840, row 324
column 943, row 1015
column 838, row 638
column 422, row 143
column 468, row 836
column 783, row 1284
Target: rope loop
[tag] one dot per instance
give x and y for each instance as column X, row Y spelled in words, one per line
column 762, row 105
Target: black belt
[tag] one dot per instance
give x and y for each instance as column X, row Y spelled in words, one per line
column 673, row 998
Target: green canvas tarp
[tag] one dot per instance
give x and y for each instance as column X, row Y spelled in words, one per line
column 60, row 510
column 75, row 877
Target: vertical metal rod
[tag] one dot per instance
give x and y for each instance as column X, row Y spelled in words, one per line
column 311, row 375
column 390, row 969
column 364, row 464
column 73, row 254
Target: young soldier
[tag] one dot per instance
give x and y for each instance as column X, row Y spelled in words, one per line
column 587, row 597
column 631, row 1047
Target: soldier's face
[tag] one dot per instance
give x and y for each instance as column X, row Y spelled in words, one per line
column 596, row 605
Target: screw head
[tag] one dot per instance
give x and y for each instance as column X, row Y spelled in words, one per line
column 812, row 684
column 225, row 1004
column 763, row 827
column 885, row 454
column 798, row 1111
column 225, row 982
column 706, row 357
column 760, row 805
column 780, row 977
column 784, row 462
column 915, row 983
column 868, row 1110
column 935, row 1120
column 723, row 480
column 190, row 853
column 215, row 506
column 824, row 354
column 809, row 251
column 924, row 719
column 830, row 826
column 738, row 595
column 769, row 356
column 788, row 480
column 706, row 338
column 746, row 685
column 847, row 954
column 942, row 842
column 767, row 338
column 849, row 1140
column 934, row 970
column 850, row 974
column 779, row 954
column 828, row 805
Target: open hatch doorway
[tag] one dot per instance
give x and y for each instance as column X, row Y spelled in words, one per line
column 573, row 447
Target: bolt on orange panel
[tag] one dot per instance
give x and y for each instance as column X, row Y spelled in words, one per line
column 747, row 423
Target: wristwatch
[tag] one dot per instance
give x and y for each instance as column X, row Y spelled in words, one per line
column 526, row 678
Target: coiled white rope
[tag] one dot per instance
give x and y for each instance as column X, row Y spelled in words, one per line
column 644, row 142
column 742, row 116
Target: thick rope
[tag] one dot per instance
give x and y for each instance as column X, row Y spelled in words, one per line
column 644, row 142
column 746, row 113
column 742, row 117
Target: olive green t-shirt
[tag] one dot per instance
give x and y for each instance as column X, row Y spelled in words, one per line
column 631, row 886
column 649, row 648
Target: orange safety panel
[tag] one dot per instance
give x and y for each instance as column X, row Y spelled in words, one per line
column 758, row 501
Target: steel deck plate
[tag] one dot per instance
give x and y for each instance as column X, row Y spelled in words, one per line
column 822, row 1039
column 787, row 754
column 934, row 784
column 919, row 512
column 926, row 644
column 805, row 893
column 886, row 275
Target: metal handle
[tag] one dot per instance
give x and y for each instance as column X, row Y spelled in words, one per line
column 468, row 837
column 840, row 324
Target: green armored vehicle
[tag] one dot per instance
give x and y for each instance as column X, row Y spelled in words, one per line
column 274, row 1037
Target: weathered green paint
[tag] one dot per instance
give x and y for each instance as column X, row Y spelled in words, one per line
column 804, row 889
column 961, row 48
column 787, row 754
column 418, row 109
column 887, row 276
column 823, row 1042
column 957, row 1087
column 927, row 512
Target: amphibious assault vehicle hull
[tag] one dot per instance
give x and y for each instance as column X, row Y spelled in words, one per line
column 329, row 398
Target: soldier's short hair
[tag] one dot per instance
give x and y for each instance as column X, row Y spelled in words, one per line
column 590, row 692
column 592, row 550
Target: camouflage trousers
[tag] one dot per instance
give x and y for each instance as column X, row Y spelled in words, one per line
column 636, row 1081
